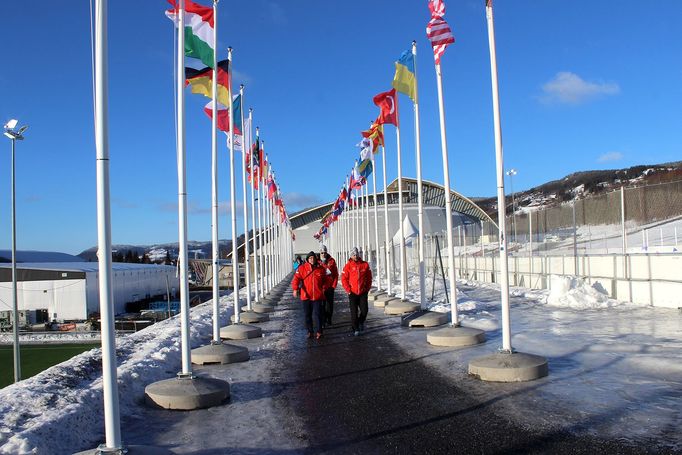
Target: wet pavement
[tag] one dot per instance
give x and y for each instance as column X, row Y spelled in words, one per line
column 366, row 394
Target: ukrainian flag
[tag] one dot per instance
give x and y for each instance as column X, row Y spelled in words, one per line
column 405, row 80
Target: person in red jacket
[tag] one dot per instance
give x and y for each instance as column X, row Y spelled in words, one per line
column 357, row 280
column 310, row 280
column 332, row 280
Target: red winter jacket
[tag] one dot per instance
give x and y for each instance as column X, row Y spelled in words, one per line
column 310, row 281
column 333, row 278
column 356, row 277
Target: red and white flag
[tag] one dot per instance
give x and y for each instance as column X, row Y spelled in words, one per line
column 438, row 31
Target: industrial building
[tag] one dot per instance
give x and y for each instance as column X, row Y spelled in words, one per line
column 69, row 291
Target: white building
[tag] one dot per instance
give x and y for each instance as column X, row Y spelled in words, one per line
column 66, row 291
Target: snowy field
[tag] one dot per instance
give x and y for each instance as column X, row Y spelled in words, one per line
column 615, row 371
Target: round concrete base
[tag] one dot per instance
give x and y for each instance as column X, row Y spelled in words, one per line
column 219, row 353
column 400, row 307
column 269, row 300
column 429, row 319
column 382, row 300
column 187, row 394
column 129, row 450
column 259, row 308
column 240, row 332
column 374, row 294
column 503, row 367
column 251, row 317
column 455, row 336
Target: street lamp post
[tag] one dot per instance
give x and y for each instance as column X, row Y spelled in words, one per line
column 15, row 135
column 511, row 173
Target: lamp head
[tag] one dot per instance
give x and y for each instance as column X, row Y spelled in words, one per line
column 11, row 124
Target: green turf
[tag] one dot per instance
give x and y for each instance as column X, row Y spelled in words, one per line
column 36, row 358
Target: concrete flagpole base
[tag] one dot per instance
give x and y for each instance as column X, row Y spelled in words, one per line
column 251, row 317
column 259, row 308
column 240, row 332
column 126, row 450
column 455, row 336
column 400, row 307
column 221, row 353
column 425, row 318
column 509, row 367
column 382, row 300
column 187, row 393
column 270, row 300
column 373, row 295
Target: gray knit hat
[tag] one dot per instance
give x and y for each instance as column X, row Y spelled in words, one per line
column 355, row 251
column 323, row 249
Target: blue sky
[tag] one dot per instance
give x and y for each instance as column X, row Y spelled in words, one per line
column 584, row 85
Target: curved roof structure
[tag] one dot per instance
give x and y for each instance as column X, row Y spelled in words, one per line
column 434, row 194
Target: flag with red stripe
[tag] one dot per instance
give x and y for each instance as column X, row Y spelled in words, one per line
column 438, row 31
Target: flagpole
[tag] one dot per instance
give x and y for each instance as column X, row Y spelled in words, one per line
column 182, row 199
column 403, row 259
column 266, row 216
column 369, row 241
column 420, row 193
column 215, row 248
column 362, row 220
column 389, row 269
column 499, row 159
column 112, row 420
column 448, row 204
column 261, row 223
column 376, row 224
column 233, row 202
column 253, row 213
column 256, row 181
column 247, row 259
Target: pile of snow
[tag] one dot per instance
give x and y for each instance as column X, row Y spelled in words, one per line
column 574, row 292
column 68, row 396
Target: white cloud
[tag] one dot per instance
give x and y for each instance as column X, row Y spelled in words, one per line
column 569, row 88
column 610, row 156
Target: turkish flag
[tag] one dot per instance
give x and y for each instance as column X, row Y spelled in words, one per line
column 388, row 103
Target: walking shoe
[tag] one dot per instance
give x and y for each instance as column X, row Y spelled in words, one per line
column 310, row 335
column 356, row 333
column 318, row 335
column 362, row 326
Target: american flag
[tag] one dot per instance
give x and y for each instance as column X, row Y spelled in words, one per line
column 438, row 31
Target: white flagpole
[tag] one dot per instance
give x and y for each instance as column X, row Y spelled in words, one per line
column 369, row 240
column 253, row 214
column 263, row 226
column 112, row 421
column 362, row 221
column 499, row 158
column 448, row 205
column 215, row 249
column 266, row 216
column 247, row 259
column 256, row 181
column 389, row 268
column 420, row 193
column 403, row 259
column 376, row 223
column 182, row 199
column 233, row 203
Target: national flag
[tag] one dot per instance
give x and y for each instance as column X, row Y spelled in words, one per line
column 224, row 117
column 405, row 80
column 200, row 79
column 272, row 187
column 199, row 30
column 365, row 168
column 356, row 180
column 365, row 147
column 254, row 168
column 264, row 170
column 438, row 31
column 375, row 134
column 488, row 3
column 238, row 136
column 388, row 103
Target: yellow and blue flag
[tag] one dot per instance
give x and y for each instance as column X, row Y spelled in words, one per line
column 405, row 80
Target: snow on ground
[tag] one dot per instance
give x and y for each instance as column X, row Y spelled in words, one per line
column 615, row 370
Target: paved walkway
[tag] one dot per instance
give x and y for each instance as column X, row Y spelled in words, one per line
column 345, row 394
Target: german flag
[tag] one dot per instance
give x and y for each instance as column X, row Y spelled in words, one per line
column 201, row 79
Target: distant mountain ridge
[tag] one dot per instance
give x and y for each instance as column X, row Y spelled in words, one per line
column 158, row 252
column 587, row 183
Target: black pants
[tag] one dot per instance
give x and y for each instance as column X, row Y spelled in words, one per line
column 328, row 305
column 357, row 302
column 313, row 315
